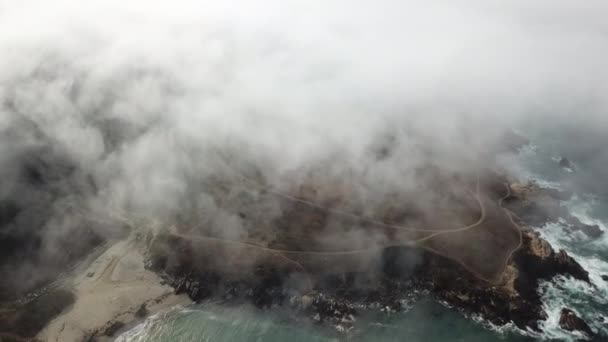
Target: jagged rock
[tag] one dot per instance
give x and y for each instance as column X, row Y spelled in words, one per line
column 332, row 309
column 336, row 296
column 569, row 321
column 565, row 163
column 565, row 264
column 605, row 277
column 513, row 298
column 537, row 260
column 591, row 230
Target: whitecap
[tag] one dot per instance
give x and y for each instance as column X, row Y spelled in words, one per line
column 553, row 302
column 141, row 332
column 500, row 329
column 581, row 207
column 571, row 293
column 544, row 183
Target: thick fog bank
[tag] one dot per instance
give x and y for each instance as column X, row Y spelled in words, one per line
column 114, row 106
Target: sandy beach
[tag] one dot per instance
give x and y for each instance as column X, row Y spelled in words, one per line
column 109, row 293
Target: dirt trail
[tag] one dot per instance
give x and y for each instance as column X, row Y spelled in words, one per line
column 416, row 242
column 516, row 226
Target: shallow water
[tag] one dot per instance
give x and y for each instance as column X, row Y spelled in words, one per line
column 426, row 320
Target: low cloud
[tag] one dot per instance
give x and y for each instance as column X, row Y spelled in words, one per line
column 147, row 102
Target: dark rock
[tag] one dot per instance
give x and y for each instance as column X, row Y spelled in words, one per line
column 605, row 277
column 557, row 194
column 403, row 270
column 90, row 337
column 565, row 264
column 113, row 328
column 331, row 309
column 537, row 260
column 565, row 163
column 335, row 296
column 591, row 230
column 571, row 322
column 142, row 311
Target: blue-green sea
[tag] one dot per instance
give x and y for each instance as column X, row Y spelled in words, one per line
column 426, row 321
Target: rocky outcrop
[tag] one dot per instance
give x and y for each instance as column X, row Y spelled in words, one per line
column 338, row 298
column 569, row 321
column 537, row 260
column 516, row 299
column 537, row 206
column 565, row 163
column 591, row 230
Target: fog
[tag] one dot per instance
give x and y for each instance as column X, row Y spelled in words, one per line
column 144, row 100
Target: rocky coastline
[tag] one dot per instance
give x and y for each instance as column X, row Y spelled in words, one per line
column 338, row 298
column 330, row 297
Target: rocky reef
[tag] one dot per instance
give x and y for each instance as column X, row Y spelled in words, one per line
column 570, row 321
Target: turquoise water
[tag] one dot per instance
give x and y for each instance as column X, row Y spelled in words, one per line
column 426, row 320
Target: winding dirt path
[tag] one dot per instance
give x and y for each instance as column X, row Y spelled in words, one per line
column 285, row 253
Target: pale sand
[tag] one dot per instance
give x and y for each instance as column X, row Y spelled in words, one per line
column 118, row 287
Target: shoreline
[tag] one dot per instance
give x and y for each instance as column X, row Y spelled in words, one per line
column 114, row 292
column 111, row 292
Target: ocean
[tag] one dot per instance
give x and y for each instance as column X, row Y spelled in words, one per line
column 426, row 319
